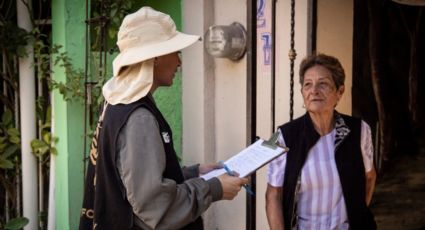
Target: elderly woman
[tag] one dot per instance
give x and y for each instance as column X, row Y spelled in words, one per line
column 326, row 180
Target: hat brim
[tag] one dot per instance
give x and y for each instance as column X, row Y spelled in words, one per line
column 139, row 54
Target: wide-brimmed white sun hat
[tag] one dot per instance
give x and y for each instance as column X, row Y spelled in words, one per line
column 143, row 35
column 146, row 34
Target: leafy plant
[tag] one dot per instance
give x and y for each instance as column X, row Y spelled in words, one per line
column 108, row 19
column 16, row 223
column 12, row 38
column 45, row 145
column 10, row 141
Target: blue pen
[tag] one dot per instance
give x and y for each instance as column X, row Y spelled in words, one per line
column 230, row 172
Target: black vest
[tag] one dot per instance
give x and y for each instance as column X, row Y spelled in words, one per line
column 111, row 207
column 300, row 136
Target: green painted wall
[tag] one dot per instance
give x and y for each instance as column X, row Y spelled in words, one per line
column 68, row 30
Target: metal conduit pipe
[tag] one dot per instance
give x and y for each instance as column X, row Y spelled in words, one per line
column 28, row 121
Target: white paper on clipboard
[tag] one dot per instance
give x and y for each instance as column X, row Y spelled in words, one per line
column 249, row 160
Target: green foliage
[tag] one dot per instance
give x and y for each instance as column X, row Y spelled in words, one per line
column 112, row 15
column 45, row 145
column 10, row 141
column 16, row 224
column 117, row 12
column 12, row 38
column 73, row 87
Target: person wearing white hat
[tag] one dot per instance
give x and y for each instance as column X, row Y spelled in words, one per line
column 134, row 180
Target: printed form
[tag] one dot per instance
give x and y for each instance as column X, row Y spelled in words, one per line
column 248, row 160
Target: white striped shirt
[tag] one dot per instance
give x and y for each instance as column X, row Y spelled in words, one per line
column 321, row 204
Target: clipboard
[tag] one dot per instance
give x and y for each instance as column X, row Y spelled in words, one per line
column 251, row 158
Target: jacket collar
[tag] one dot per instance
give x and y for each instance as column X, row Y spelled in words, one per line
column 342, row 130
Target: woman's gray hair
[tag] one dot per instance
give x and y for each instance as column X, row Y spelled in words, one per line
column 330, row 63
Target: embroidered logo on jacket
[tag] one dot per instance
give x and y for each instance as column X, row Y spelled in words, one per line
column 166, row 137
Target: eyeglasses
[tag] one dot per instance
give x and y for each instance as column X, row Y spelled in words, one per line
column 321, row 85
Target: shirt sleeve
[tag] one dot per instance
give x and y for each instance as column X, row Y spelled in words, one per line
column 367, row 146
column 190, row 171
column 157, row 202
column 276, row 169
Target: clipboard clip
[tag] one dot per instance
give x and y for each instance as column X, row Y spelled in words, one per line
column 271, row 143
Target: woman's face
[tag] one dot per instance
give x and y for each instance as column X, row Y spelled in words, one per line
column 319, row 90
column 164, row 69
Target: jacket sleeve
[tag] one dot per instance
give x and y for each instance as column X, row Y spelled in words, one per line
column 157, row 202
column 191, row 171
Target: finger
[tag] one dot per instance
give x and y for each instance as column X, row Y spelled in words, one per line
column 217, row 166
column 244, row 181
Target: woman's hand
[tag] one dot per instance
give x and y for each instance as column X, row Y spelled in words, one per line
column 206, row 168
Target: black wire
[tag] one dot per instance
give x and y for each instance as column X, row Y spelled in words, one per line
column 85, row 88
column 292, row 56
column 273, row 66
